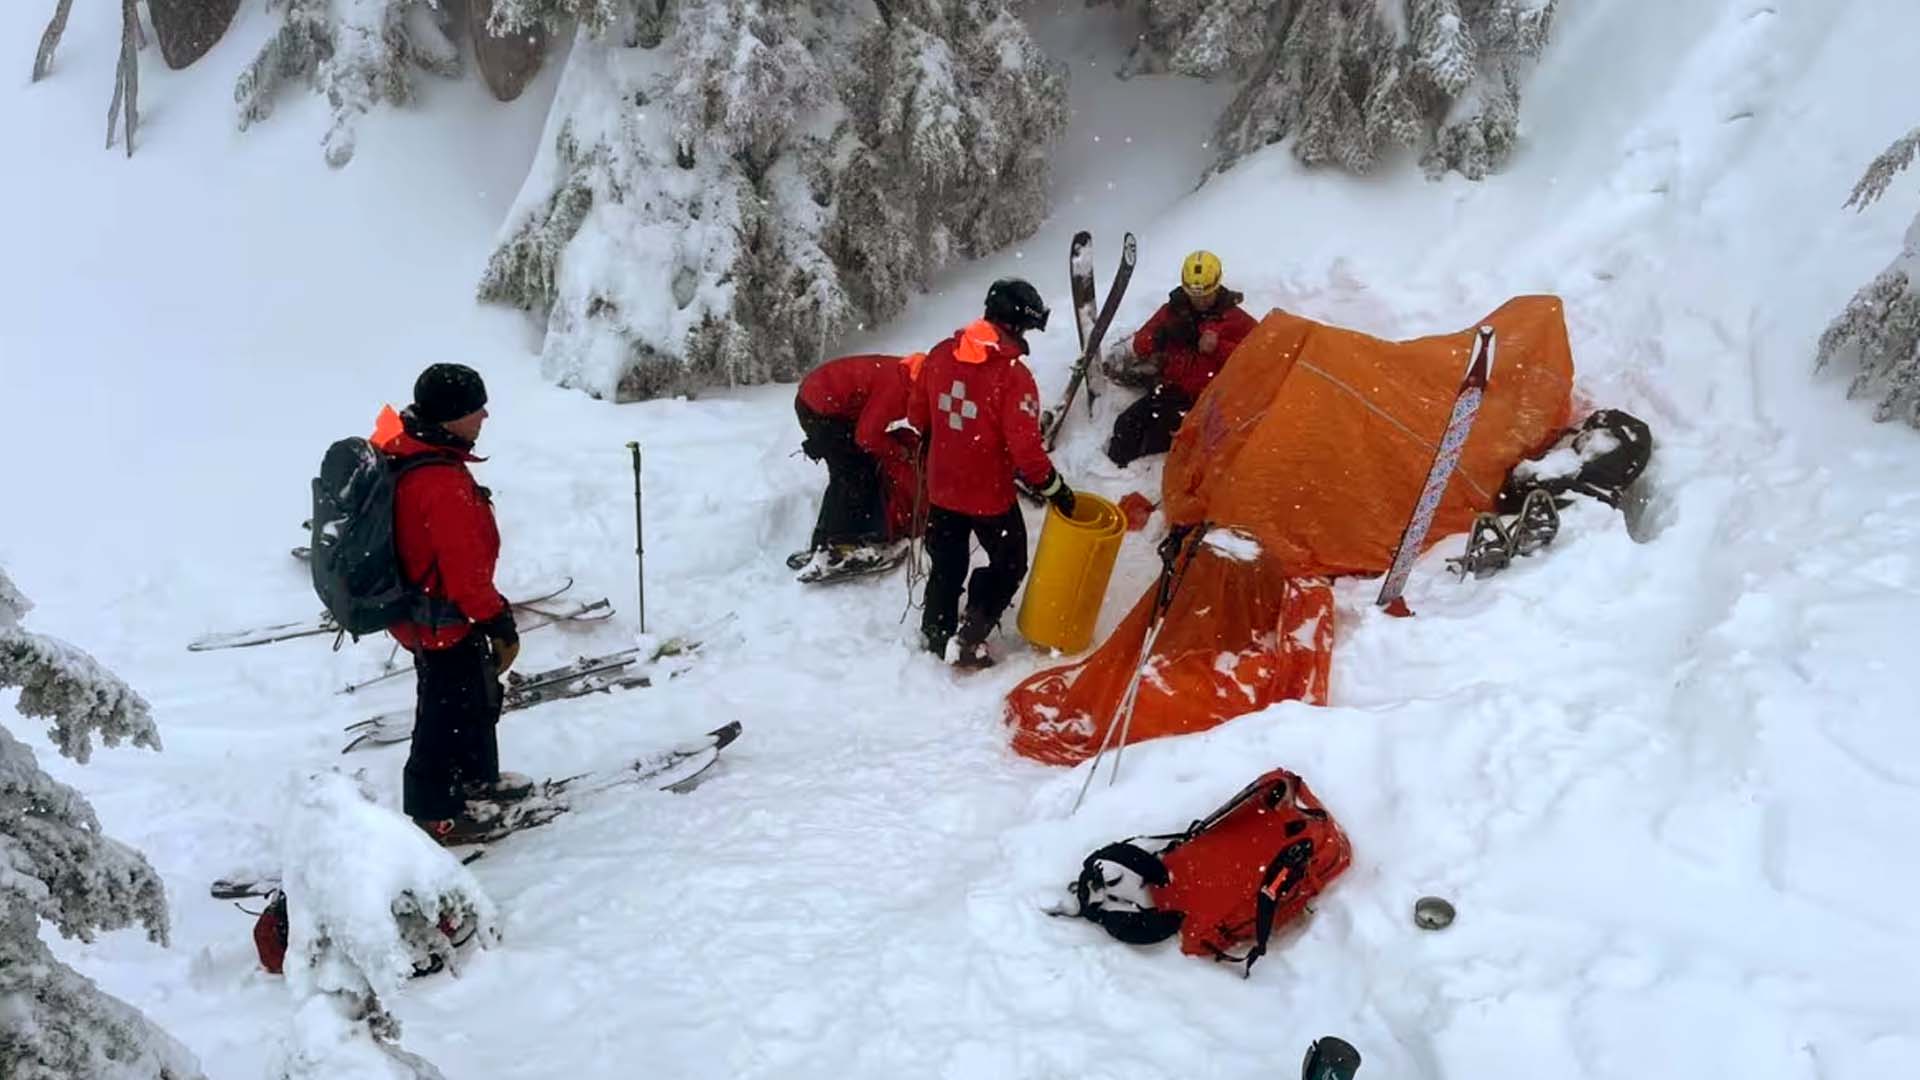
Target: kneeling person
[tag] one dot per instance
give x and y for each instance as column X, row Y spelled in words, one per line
column 1186, row 343
column 852, row 414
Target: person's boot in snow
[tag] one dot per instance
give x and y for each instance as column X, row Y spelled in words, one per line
column 453, row 831
column 509, row 787
column 972, row 638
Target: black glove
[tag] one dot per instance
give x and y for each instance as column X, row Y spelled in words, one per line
column 505, row 638
column 1056, row 491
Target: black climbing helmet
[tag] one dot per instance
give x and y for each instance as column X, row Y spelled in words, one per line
column 1016, row 305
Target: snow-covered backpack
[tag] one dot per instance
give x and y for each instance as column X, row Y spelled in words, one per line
column 1227, row 881
column 356, row 571
column 271, row 931
column 1600, row 459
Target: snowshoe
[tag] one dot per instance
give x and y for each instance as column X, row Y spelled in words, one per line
column 1538, row 523
column 1489, row 548
column 841, row 561
column 1330, row 1058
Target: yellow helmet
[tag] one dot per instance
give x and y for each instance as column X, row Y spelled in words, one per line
column 1200, row 273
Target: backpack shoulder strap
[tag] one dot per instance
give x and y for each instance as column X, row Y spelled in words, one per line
column 400, row 466
column 1131, row 923
column 1282, row 876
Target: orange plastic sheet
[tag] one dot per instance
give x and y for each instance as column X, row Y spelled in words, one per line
column 1238, row 635
column 1310, row 449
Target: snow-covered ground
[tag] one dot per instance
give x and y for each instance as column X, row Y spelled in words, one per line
column 1671, row 786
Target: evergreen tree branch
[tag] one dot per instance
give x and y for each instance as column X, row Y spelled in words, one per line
column 1879, row 175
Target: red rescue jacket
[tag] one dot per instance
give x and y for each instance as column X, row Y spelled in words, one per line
column 1172, row 339
column 870, row 391
column 979, row 412
column 443, row 533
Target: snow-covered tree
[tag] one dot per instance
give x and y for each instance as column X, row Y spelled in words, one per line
column 727, row 185
column 370, row 900
column 1350, row 78
column 359, row 53
column 1879, row 330
column 56, row 865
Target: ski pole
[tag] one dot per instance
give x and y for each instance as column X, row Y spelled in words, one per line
column 639, row 538
column 1122, row 719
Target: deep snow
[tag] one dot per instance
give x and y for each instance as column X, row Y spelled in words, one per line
column 1670, row 785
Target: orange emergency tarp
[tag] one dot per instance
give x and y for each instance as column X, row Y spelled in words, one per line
column 1303, row 458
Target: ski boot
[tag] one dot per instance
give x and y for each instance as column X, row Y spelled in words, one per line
column 972, row 654
column 1330, row 1058
column 510, row 787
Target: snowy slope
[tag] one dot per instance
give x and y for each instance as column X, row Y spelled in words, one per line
column 1670, row 785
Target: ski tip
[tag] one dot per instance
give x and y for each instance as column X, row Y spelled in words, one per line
column 725, row 734
column 1082, row 238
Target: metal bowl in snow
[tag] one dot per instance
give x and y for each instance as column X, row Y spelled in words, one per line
column 1432, row 913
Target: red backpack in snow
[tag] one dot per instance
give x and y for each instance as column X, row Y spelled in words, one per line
column 270, row 933
column 1226, row 882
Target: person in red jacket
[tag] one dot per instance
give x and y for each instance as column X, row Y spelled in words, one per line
column 979, row 414
column 1187, row 341
column 852, row 414
column 447, row 544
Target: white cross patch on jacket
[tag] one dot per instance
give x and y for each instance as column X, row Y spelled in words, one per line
column 958, row 407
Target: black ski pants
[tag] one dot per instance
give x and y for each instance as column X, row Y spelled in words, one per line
column 1147, row 426
column 854, row 509
column 1004, row 538
column 454, row 742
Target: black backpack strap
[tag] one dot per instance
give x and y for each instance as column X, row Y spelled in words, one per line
column 429, row 611
column 1282, row 876
column 1132, row 924
column 1130, row 855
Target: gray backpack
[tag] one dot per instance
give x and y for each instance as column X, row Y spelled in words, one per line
column 356, row 571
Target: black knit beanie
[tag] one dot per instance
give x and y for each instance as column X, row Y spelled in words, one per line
column 446, row 392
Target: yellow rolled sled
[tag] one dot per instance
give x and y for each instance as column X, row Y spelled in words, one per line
column 1071, row 566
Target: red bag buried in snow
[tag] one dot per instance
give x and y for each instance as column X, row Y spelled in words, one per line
column 270, row 934
column 1226, row 882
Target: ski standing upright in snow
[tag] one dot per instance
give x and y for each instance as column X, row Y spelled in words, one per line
column 1445, row 457
column 1080, row 275
column 1081, row 264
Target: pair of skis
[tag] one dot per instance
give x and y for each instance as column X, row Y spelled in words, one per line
column 585, row 675
column 678, row 767
column 1092, row 326
column 540, row 605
